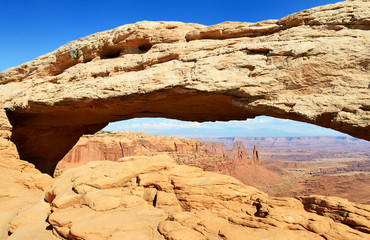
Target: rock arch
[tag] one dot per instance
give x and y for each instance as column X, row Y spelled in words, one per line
column 311, row 66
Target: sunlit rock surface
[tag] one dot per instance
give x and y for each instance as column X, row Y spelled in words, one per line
column 155, row 198
column 205, row 155
column 311, row 66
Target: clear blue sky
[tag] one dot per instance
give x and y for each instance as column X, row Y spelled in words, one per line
column 33, row 28
column 261, row 126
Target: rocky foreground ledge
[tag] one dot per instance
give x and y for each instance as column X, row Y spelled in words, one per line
column 310, row 66
column 155, row 198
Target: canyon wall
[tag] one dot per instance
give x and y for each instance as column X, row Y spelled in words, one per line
column 310, row 66
column 238, row 162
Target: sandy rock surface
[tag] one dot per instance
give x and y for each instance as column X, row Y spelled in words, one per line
column 311, row 66
column 155, row 198
column 209, row 156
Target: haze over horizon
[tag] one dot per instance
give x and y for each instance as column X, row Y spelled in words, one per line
column 261, row 126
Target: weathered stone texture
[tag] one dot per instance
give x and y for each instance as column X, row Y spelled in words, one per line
column 154, row 198
column 311, row 66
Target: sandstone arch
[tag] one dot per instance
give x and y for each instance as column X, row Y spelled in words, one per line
column 312, row 66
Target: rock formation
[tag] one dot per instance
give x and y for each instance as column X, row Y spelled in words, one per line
column 155, row 198
column 7, row 148
column 21, row 192
column 239, row 153
column 216, row 148
column 311, row 66
column 256, row 159
column 205, row 155
column 248, row 170
column 115, row 145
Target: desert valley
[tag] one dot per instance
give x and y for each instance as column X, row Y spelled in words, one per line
column 62, row 177
column 279, row 166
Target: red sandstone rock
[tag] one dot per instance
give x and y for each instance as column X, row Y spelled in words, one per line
column 239, row 154
column 310, row 66
column 208, row 156
column 255, row 158
column 153, row 197
column 216, row 148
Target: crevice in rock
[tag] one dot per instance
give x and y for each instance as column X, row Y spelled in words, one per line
column 110, row 52
column 123, row 155
column 49, row 227
column 221, row 235
column 87, row 60
column 326, row 118
column 365, row 108
column 324, row 237
column 74, row 190
column 9, row 233
column 249, row 67
column 155, row 200
column 260, row 51
column 145, row 47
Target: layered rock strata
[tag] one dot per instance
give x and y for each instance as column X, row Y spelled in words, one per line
column 205, row 155
column 311, row 66
column 22, row 209
column 155, row 198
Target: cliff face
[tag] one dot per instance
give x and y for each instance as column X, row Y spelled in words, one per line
column 121, row 144
column 256, row 159
column 310, row 66
column 239, row 153
column 208, row 156
column 21, row 192
column 7, row 148
column 216, row 148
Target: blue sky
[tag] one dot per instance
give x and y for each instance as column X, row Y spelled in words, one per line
column 35, row 27
column 261, row 126
column 32, row 28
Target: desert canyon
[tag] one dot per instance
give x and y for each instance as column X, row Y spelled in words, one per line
column 286, row 167
column 310, row 66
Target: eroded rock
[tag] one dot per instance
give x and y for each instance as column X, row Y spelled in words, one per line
column 205, row 155
column 339, row 210
column 155, row 198
column 311, row 66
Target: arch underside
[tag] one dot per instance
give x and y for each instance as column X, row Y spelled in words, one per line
column 309, row 66
column 43, row 137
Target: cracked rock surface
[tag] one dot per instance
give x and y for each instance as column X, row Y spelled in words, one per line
column 155, row 198
column 311, row 66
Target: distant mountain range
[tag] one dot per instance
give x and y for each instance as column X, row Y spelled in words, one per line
column 301, row 147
